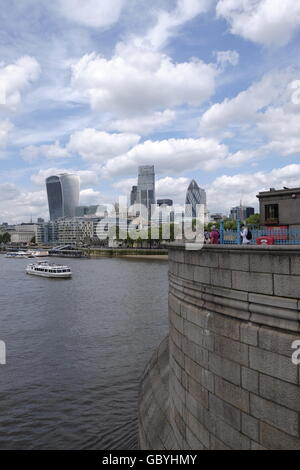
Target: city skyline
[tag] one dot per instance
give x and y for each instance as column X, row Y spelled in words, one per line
column 188, row 86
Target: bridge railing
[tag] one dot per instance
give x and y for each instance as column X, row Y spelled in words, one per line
column 279, row 235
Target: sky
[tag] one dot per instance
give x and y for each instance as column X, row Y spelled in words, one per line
column 202, row 89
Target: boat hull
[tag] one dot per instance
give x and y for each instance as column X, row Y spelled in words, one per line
column 50, row 275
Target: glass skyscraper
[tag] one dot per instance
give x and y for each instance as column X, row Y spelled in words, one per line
column 194, row 196
column 146, row 186
column 63, row 195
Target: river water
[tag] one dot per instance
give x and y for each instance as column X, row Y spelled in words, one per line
column 76, row 350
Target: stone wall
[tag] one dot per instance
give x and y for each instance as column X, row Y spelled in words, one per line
column 234, row 314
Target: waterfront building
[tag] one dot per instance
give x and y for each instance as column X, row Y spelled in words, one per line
column 195, row 196
column 76, row 231
column 241, row 212
column 47, row 233
column 90, row 211
column 63, row 195
column 280, row 207
column 23, row 233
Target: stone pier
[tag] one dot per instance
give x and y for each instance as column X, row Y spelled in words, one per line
column 224, row 378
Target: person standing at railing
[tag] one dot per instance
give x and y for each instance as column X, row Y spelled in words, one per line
column 214, row 236
column 245, row 235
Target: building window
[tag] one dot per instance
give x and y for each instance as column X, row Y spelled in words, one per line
column 272, row 214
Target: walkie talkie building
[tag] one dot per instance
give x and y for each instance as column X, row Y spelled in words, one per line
column 63, row 195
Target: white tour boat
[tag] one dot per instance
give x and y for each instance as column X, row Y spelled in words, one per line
column 18, row 254
column 45, row 269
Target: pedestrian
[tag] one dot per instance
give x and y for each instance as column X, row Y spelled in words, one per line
column 214, row 236
column 206, row 237
column 246, row 235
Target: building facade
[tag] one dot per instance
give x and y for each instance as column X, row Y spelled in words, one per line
column 133, row 195
column 146, row 186
column 241, row 212
column 280, row 207
column 63, row 195
column 195, row 196
column 23, row 233
column 47, row 233
column 164, row 202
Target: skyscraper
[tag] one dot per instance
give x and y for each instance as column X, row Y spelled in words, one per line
column 146, row 186
column 63, row 195
column 194, row 196
column 133, row 195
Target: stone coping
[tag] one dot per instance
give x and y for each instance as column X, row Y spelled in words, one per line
column 243, row 248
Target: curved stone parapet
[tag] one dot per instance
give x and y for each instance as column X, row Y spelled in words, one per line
column 234, row 315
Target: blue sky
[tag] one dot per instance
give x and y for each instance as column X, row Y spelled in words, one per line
column 204, row 89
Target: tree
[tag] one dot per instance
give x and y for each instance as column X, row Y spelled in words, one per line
column 253, row 219
column 229, row 224
column 6, row 237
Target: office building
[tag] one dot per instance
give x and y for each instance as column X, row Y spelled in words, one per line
column 164, row 202
column 146, row 186
column 241, row 213
column 195, row 196
column 63, row 195
column 133, row 195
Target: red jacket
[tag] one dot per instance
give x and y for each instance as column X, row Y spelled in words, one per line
column 214, row 237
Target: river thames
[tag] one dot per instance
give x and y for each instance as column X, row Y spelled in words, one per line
column 76, row 350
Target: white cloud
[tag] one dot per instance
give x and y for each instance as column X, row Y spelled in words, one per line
column 34, row 152
column 144, row 124
column 179, row 154
column 227, row 57
column 243, row 107
column 19, row 206
column 90, row 197
column 98, row 146
column 168, row 22
column 87, row 177
column 14, row 78
column 282, row 127
column 173, row 188
column 100, row 14
column 268, row 22
column 5, row 129
column 135, row 81
column 227, row 191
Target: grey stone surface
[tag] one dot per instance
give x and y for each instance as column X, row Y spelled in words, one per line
column 232, row 394
column 250, row 380
column 282, row 418
column 287, row 286
column 229, row 381
column 279, row 264
column 250, row 427
column 225, row 368
column 273, row 364
column 252, row 282
column 249, row 334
